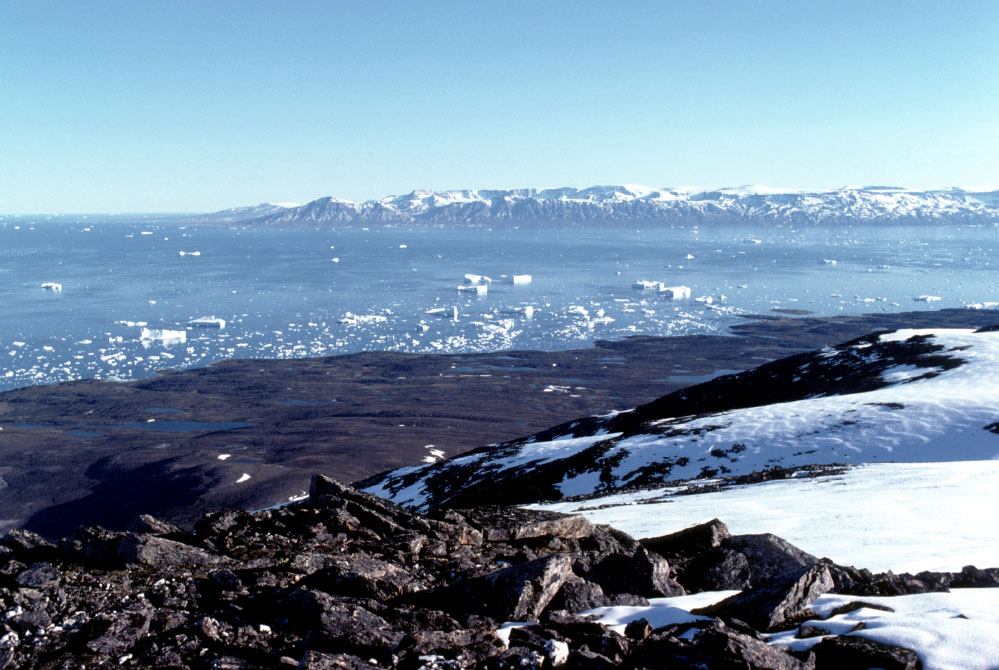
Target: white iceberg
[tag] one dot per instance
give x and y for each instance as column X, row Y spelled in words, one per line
column 646, row 285
column 52, row 286
column 674, row 292
column 162, row 335
column 926, row 298
column 522, row 279
column 477, row 279
column 479, row 289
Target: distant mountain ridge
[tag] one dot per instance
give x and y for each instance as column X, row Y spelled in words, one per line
column 757, row 204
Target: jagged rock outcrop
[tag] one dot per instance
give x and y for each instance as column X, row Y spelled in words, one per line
column 348, row 580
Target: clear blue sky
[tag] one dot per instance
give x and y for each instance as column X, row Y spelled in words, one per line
column 129, row 105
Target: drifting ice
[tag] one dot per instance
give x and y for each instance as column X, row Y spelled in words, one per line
column 522, row 279
column 477, row 279
column 351, row 319
column 51, row 286
column 645, row 285
column 479, row 289
column 926, row 298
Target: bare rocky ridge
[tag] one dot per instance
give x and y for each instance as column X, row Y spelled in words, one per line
column 348, row 580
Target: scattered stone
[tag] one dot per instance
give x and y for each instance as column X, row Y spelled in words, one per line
column 345, row 580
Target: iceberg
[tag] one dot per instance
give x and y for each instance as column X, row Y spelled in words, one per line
column 451, row 313
column 207, row 322
column 477, row 279
column 674, row 292
column 645, row 285
column 926, row 298
column 479, row 289
column 527, row 311
column 164, row 336
column 51, row 286
column 522, row 279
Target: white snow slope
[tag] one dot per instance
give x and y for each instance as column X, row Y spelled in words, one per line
column 933, row 397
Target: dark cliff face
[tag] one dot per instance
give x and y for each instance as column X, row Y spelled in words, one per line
column 348, row 580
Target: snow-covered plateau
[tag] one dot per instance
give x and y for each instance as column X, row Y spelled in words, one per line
column 633, row 203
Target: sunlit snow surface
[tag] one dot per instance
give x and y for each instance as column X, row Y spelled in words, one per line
column 282, row 295
column 904, row 517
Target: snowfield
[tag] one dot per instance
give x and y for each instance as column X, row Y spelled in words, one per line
column 904, row 517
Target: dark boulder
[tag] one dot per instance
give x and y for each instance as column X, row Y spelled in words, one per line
column 94, row 545
column 146, row 524
column 123, row 630
column 718, row 569
column 339, row 625
column 29, row 547
column 768, row 555
column 688, row 542
column 512, row 524
column 850, row 580
column 518, row 593
column 362, row 576
column 715, row 646
column 314, row 660
column 40, row 576
column 848, row 652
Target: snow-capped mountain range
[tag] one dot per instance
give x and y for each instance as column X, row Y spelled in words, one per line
column 905, row 396
column 632, row 203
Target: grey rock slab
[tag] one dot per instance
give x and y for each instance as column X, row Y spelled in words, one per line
column 158, row 552
column 780, row 603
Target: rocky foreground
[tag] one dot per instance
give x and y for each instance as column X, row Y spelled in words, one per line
column 348, row 580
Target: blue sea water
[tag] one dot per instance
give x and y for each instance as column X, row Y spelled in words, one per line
column 283, row 295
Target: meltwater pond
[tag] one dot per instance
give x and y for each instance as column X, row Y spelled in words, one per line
column 120, row 297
